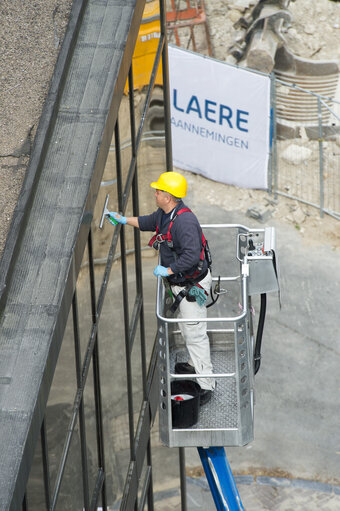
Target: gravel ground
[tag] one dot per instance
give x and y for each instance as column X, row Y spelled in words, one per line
column 31, row 34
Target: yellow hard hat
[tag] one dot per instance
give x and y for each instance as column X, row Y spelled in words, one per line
column 171, row 182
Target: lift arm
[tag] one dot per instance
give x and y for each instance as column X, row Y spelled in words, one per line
column 220, row 479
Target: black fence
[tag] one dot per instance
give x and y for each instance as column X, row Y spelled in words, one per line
column 64, row 456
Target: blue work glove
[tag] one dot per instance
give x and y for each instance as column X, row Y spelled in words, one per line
column 199, row 294
column 116, row 218
column 160, row 271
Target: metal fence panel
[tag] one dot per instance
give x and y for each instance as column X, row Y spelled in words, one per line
column 306, row 156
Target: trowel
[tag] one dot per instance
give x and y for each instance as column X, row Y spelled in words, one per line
column 106, row 214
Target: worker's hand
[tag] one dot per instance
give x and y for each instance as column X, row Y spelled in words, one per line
column 115, row 218
column 160, row 271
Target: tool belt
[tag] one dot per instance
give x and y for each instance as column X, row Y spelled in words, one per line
column 185, row 293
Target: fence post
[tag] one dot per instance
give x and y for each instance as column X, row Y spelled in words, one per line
column 273, row 138
column 321, row 157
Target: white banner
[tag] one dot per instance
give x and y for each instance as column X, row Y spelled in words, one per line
column 220, row 119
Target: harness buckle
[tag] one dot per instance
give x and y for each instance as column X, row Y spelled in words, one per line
column 159, row 238
column 156, row 240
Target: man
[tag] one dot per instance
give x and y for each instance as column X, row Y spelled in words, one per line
column 179, row 239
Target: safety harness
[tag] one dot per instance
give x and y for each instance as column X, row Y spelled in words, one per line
column 191, row 280
column 159, row 238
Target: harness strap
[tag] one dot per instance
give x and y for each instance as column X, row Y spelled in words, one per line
column 159, row 238
column 178, row 300
column 166, row 237
column 185, row 292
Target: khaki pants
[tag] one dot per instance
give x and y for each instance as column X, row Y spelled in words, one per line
column 195, row 334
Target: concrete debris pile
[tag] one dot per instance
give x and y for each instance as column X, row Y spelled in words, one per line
column 259, row 41
column 260, row 34
column 260, row 44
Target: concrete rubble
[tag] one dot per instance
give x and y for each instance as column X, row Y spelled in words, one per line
column 296, row 154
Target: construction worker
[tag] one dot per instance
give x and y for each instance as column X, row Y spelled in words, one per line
column 183, row 263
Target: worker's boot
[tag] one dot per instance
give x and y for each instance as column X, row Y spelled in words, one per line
column 205, row 396
column 184, row 368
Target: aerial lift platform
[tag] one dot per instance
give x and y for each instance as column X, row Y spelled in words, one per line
column 228, row 419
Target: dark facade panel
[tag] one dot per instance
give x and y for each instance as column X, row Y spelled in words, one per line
column 39, row 292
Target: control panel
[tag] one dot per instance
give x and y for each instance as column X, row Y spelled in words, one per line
column 257, row 253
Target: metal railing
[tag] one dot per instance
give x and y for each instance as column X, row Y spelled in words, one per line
column 306, row 147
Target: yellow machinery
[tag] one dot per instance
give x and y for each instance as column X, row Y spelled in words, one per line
column 181, row 15
column 146, row 47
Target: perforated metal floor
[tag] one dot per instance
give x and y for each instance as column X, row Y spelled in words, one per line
column 222, row 410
